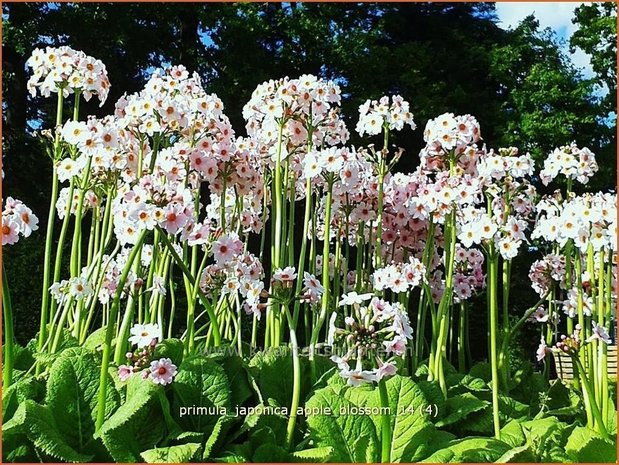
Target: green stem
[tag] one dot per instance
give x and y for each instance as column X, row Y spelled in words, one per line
column 9, row 339
column 296, row 386
column 301, row 269
column 325, row 272
column 109, row 331
column 385, row 423
column 600, row 425
column 493, row 272
column 209, row 309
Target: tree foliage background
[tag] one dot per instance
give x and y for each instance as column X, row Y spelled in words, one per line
column 519, row 83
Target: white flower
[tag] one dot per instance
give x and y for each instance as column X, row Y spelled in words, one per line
column 143, row 335
column 599, row 333
column 357, row 377
column 353, row 298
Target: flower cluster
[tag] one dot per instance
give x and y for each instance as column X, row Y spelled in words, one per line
column 469, row 275
column 64, row 69
column 77, row 287
column 17, row 220
column 374, row 335
column 570, row 161
column 546, row 270
column 233, row 272
column 449, row 135
column 399, row 277
column 587, row 219
column 146, row 337
column 306, row 109
column 376, row 115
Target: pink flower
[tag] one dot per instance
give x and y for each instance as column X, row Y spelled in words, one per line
column 386, row 369
column 174, row 218
column 599, row 333
column 356, row 377
column 125, row 372
column 162, row 371
column 10, row 231
column 226, row 248
column 286, row 275
column 542, row 350
column 397, row 345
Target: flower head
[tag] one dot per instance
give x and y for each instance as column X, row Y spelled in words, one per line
column 162, row 371
column 143, row 335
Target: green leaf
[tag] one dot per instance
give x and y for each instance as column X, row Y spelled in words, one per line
column 37, row 423
column 272, row 370
column 216, row 436
column 352, row 437
column 512, row 409
column 65, row 341
column 240, row 388
column 173, row 454
column 270, row 452
column 172, row 349
column 96, row 339
column 137, row 424
column 410, row 426
column 547, row 438
column 478, row 450
column 18, row 392
column 470, row 383
column 481, row 370
column 440, row 456
column 72, row 391
column 512, row 434
column 459, row 407
column 521, row 454
column 200, row 383
column 433, row 394
column 316, row 455
column 586, row 445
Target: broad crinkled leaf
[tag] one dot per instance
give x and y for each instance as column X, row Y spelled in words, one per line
column 200, row 382
column 477, row 450
column 315, row 455
column 272, row 370
column 37, row 424
column 138, row 424
column 410, row 426
column 352, row 437
column 172, row 349
column 521, row 454
column 72, row 390
column 173, row 454
column 216, row 436
column 459, row 407
column 18, row 392
column 512, row 434
column 586, row 445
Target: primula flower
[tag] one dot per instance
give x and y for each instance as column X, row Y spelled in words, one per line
column 376, row 114
column 358, row 377
column 10, row 231
column 143, row 335
column 17, row 219
column 125, row 372
column 352, row 298
column 226, row 248
column 162, row 371
column 80, row 288
column 285, row 275
column 599, row 333
column 64, row 69
column 542, row 350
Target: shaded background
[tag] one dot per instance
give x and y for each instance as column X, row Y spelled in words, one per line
column 519, row 83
